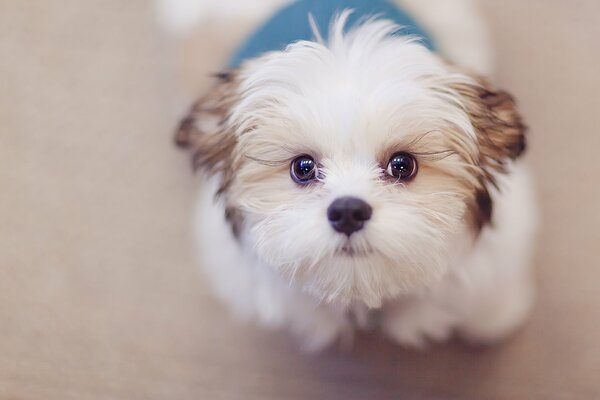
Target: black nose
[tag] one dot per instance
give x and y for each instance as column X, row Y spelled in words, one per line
column 349, row 214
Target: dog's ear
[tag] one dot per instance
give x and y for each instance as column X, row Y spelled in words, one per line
column 205, row 130
column 501, row 136
column 500, row 130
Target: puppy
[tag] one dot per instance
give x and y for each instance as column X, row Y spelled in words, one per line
column 358, row 179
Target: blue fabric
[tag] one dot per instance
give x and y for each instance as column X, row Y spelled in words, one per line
column 291, row 24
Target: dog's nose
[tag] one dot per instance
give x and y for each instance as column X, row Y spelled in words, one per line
column 349, row 214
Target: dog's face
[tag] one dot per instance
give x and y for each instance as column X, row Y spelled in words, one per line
column 355, row 168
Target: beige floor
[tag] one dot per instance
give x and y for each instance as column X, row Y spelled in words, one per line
column 99, row 294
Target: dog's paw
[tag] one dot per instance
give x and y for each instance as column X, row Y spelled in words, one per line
column 416, row 324
column 499, row 315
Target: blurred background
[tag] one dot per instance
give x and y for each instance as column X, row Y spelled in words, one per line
column 100, row 297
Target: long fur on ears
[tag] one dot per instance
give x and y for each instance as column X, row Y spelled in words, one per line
column 501, row 135
column 204, row 130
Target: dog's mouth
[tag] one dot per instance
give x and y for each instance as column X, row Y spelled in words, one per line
column 349, row 249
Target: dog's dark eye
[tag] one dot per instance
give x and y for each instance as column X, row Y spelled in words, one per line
column 304, row 170
column 402, row 166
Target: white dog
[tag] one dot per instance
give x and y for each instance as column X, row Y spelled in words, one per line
column 360, row 179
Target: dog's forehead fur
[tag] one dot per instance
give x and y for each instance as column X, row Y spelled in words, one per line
column 353, row 91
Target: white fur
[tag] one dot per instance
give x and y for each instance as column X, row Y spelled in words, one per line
column 345, row 101
column 491, row 291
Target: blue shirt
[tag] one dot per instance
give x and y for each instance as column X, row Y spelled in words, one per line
column 291, row 24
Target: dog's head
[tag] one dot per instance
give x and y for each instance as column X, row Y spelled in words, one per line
column 356, row 167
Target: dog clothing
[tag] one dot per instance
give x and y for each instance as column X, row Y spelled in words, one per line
column 291, row 24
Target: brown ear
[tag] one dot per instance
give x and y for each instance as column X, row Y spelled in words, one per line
column 498, row 125
column 501, row 136
column 204, row 130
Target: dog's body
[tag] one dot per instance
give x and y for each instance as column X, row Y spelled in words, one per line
column 445, row 248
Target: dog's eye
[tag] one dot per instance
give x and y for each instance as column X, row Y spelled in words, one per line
column 303, row 170
column 402, row 166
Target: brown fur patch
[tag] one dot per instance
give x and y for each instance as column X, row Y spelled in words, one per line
column 235, row 218
column 482, row 208
column 501, row 136
column 205, row 132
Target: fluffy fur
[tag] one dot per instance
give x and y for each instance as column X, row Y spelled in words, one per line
column 446, row 252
